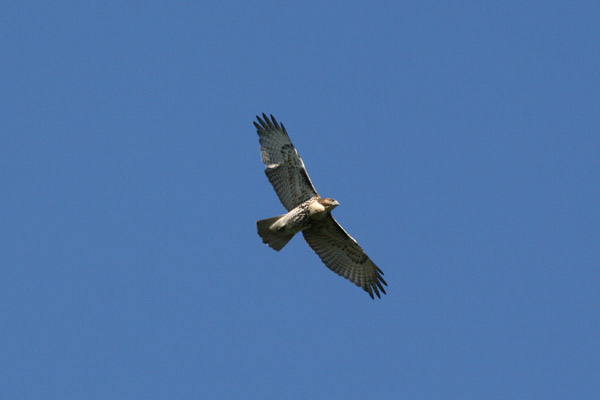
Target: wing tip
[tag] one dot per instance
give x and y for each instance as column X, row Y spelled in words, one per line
column 375, row 286
column 267, row 123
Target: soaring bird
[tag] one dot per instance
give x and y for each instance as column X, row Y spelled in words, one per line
column 308, row 212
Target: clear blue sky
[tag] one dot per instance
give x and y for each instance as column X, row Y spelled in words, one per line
column 462, row 140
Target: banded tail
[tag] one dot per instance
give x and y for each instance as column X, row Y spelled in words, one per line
column 274, row 238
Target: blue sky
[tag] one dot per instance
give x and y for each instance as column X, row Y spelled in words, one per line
column 462, row 140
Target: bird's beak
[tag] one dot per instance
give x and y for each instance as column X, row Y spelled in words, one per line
column 336, row 203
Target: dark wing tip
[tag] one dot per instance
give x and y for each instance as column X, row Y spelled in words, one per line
column 381, row 287
column 262, row 123
column 267, row 123
column 275, row 123
column 380, row 279
column 376, row 286
column 376, row 291
column 369, row 290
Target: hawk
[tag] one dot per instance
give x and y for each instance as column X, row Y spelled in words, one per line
column 308, row 212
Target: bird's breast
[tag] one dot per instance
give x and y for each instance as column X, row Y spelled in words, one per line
column 315, row 208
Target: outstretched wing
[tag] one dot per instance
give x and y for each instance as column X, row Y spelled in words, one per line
column 285, row 168
column 340, row 252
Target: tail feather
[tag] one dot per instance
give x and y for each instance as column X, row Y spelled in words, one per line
column 273, row 238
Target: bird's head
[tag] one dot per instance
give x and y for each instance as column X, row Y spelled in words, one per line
column 329, row 204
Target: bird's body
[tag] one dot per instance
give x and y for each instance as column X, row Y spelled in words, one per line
column 308, row 212
column 274, row 230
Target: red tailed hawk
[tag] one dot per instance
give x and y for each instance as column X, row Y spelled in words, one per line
column 308, row 212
